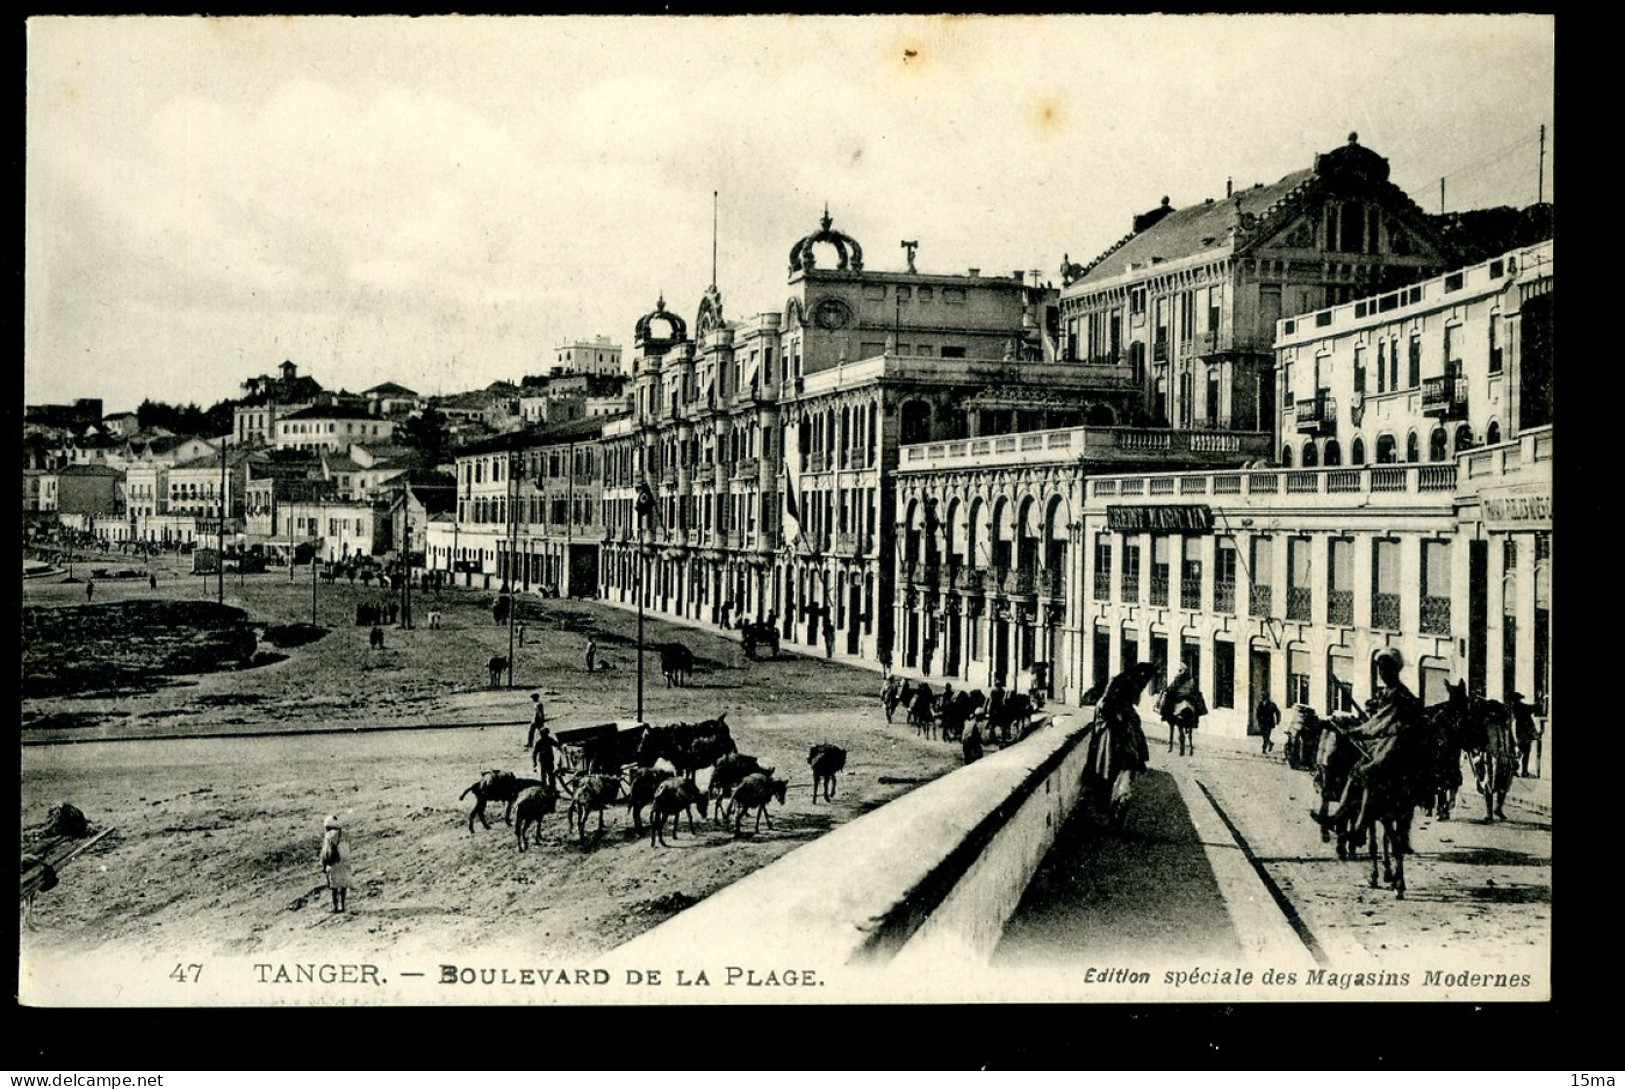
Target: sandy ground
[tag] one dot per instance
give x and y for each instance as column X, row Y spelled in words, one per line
column 218, row 837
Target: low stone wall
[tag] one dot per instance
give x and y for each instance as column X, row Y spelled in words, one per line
column 934, row 874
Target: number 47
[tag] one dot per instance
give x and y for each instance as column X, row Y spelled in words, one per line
column 187, row 973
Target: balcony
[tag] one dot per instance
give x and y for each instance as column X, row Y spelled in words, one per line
column 996, row 579
column 1159, row 352
column 1131, row 586
column 1159, row 589
column 1018, row 583
column 1435, row 616
column 1445, row 397
column 668, row 476
column 1262, row 601
column 817, row 462
column 850, row 544
column 1190, row 593
column 1317, row 416
column 1340, row 608
column 1385, row 611
column 857, row 458
column 1103, row 584
column 1052, row 584
column 969, row 580
column 1224, row 596
column 747, row 469
column 1297, row 603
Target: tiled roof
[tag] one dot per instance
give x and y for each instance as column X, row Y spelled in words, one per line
column 391, row 389
column 329, row 412
column 1187, row 231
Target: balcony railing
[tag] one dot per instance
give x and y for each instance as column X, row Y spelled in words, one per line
column 1131, row 586
column 969, row 580
column 1297, row 602
column 1159, row 589
column 817, row 462
column 850, row 544
column 747, row 468
column 1103, row 584
column 1262, row 601
column 1018, row 583
column 996, row 580
column 1224, row 596
column 1435, row 616
column 1340, row 607
column 1159, row 352
column 1385, row 611
column 1317, row 416
column 1445, row 397
column 1190, row 593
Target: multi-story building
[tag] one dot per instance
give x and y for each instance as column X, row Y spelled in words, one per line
column 812, row 402
column 1423, row 372
column 550, row 481
column 1289, row 580
column 204, row 487
column 392, row 399
column 1189, row 299
column 597, row 356
column 331, row 427
column 340, row 529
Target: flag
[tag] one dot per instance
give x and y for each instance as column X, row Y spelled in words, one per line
column 792, row 509
column 645, row 503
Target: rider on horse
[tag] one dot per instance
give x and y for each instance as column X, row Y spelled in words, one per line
column 1392, row 740
column 1182, row 705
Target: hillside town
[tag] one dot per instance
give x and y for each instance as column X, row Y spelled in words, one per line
column 1261, row 437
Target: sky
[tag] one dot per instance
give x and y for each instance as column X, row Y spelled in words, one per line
column 443, row 202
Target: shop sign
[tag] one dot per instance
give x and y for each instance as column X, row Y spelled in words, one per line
column 1166, row 518
column 1518, row 508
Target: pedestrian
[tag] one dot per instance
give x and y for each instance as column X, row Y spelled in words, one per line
column 972, row 744
column 375, row 638
column 335, row 861
column 1268, row 717
column 152, row 581
column 1524, row 728
column 829, row 636
column 541, row 754
column 538, row 720
column 521, row 635
column 90, row 589
column 592, row 653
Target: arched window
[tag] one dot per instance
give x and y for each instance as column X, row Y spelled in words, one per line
column 1492, row 434
column 1436, row 445
column 1311, row 458
column 916, row 422
column 1334, row 453
column 1464, row 437
column 1286, row 456
column 1385, row 449
column 1412, row 448
column 1098, row 415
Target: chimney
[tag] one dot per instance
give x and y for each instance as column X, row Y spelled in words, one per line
column 975, row 272
column 1229, row 187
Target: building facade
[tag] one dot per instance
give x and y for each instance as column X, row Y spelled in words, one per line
column 333, row 428
column 1190, row 298
column 597, row 356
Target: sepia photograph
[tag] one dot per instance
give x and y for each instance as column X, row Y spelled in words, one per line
column 641, row 511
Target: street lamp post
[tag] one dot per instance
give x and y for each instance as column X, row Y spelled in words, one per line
column 644, row 507
column 220, row 552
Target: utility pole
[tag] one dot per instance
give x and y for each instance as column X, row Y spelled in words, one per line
column 644, row 506
column 313, row 550
column 220, row 561
column 406, row 553
column 1441, row 196
column 1540, row 172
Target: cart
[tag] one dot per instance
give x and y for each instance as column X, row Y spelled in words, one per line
column 605, row 748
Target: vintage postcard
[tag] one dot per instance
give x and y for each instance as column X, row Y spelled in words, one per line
column 787, row 510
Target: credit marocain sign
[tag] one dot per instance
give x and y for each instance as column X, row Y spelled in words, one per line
column 1167, row 518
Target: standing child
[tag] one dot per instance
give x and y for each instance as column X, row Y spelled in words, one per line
column 334, row 862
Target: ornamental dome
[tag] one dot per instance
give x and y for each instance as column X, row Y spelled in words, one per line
column 850, row 253
column 649, row 337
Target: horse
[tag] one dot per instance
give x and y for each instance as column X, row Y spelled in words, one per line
column 1335, row 757
column 676, row 662
column 896, row 691
column 920, row 714
column 1015, row 712
column 687, row 747
column 1483, row 729
column 497, row 666
column 1117, row 747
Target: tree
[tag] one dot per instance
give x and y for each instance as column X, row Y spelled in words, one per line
column 426, row 432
